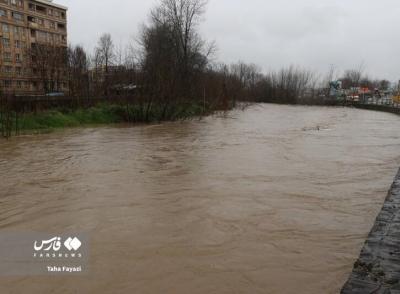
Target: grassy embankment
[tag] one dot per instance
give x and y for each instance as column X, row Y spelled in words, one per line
column 102, row 114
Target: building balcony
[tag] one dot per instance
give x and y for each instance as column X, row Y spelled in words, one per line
column 33, row 25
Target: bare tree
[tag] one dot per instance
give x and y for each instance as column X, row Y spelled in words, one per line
column 49, row 63
column 353, row 77
column 78, row 71
column 174, row 57
column 104, row 58
column 248, row 76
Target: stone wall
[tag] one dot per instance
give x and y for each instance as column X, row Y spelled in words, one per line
column 377, row 271
column 385, row 108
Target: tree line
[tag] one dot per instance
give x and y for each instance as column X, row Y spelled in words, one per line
column 169, row 67
column 171, row 64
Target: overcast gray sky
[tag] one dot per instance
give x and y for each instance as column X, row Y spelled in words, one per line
column 309, row 33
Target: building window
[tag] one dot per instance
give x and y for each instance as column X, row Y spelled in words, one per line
column 18, row 57
column 17, row 3
column 7, row 69
column 18, row 71
column 16, row 31
column 41, row 9
column 18, row 16
column 42, row 36
column 61, row 26
column 7, row 56
column 5, row 28
column 7, row 84
column 6, row 43
column 19, row 84
column 37, row 20
column 50, row 38
column 3, row 13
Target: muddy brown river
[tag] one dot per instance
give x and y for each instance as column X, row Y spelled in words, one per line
column 273, row 199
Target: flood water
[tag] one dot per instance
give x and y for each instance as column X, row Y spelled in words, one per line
column 273, row 199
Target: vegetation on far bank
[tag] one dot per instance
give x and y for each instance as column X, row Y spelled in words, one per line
column 167, row 76
column 105, row 113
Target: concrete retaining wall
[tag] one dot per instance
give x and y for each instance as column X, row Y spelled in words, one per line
column 377, row 271
column 386, row 108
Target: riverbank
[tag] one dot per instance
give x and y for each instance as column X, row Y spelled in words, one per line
column 108, row 114
column 378, row 268
column 378, row 107
column 44, row 121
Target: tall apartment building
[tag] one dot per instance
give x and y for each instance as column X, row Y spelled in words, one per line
column 26, row 26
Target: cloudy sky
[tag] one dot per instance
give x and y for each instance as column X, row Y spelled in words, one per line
column 315, row 34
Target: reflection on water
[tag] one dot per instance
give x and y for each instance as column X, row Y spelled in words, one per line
column 275, row 199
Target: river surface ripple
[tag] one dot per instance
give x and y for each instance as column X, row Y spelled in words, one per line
column 273, row 199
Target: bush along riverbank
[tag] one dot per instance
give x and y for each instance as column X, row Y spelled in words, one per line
column 14, row 123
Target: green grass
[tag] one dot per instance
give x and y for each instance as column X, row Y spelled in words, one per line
column 69, row 118
column 104, row 114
